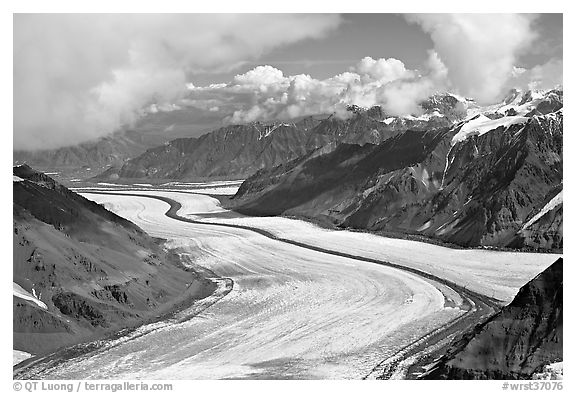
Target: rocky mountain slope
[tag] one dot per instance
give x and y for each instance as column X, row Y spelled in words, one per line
column 81, row 271
column 518, row 342
column 238, row 151
column 478, row 182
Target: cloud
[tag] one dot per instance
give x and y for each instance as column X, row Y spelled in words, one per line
column 383, row 70
column 265, row 93
column 479, row 50
column 77, row 77
column 261, row 76
column 543, row 76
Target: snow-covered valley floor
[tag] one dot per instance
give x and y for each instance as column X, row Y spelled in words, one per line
column 293, row 312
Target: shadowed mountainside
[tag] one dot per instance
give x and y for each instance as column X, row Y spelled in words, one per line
column 84, row 271
column 517, row 342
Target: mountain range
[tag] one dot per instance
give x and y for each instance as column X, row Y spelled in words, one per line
column 493, row 179
column 238, row 151
column 93, row 157
column 456, row 171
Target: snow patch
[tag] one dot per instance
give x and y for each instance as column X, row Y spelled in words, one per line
column 426, row 225
column 557, row 200
column 270, row 130
column 19, row 356
column 448, row 163
column 20, row 292
column 16, row 179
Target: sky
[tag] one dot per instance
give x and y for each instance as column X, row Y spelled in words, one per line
column 78, row 77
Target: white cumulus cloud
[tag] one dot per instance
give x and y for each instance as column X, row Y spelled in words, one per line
column 479, row 50
column 265, row 93
column 382, row 70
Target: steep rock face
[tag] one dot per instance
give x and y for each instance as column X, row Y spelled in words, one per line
column 518, row 341
column 90, row 271
column 479, row 188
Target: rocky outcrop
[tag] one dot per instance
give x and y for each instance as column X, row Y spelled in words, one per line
column 519, row 341
column 79, row 308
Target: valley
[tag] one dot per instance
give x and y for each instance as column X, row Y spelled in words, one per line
column 287, row 196
column 292, row 299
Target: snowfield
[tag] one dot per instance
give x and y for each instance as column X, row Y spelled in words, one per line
column 492, row 273
column 292, row 313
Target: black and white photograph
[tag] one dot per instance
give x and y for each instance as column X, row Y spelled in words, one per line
column 280, row 196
